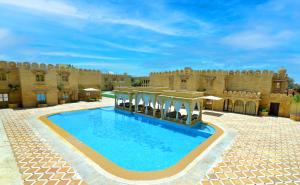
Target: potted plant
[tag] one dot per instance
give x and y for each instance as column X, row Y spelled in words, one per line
column 13, row 89
column 295, row 108
column 264, row 112
column 61, row 88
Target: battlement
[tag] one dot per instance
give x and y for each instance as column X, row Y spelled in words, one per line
column 40, row 66
column 242, row 94
column 216, row 72
column 281, row 74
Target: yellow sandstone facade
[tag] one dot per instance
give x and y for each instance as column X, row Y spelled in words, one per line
column 245, row 92
column 31, row 85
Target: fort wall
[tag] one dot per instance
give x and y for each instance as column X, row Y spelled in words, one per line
column 25, row 75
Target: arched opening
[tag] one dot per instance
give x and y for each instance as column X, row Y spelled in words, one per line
column 239, row 106
column 228, row 105
column 158, row 108
column 182, row 117
column 195, row 113
column 251, row 108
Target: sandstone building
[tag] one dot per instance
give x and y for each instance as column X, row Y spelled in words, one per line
column 30, row 85
column 244, row 92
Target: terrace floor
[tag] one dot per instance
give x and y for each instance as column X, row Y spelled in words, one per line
column 265, row 150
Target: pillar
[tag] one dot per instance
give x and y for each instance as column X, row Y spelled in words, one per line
column 233, row 105
column 257, row 106
column 136, row 102
column 130, row 102
column 244, row 107
column 200, row 111
column 162, row 109
column 189, row 118
column 154, row 105
column 123, row 100
column 116, row 103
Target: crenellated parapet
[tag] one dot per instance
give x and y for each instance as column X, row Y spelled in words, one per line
column 41, row 66
column 8, row 65
column 242, row 94
column 281, row 75
column 216, row 72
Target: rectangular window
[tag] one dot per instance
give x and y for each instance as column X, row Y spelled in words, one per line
column 65, row 77
column 41, row 98
column 278, row 85
column 3, row 77
column 40, row 77
column 66, row 97
column 183, row 81
column 3, row 97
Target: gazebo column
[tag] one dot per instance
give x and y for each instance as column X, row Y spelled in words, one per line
column 200, row 111
column 154, row 105
column 124, row 100
column 130, row 102
column 189, row 114
column 136, row 102
column 116, row 100
column 162, row 109
column 144, row 102
column 177, row 106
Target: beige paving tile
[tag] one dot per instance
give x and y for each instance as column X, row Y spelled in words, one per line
column 265, row 150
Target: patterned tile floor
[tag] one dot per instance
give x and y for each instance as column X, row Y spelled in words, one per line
column 265, row 150
column 37, row 162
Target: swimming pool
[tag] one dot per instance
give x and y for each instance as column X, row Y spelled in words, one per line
column 131, row 141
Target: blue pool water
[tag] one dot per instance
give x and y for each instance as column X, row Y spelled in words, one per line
column 132, row 141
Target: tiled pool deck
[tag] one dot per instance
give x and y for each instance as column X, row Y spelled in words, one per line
column 264, row 151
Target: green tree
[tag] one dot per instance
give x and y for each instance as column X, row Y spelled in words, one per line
column 293, row 85
column 136, row 83
column 296, row 101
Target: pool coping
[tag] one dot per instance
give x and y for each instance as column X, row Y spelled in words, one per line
column 118, row 171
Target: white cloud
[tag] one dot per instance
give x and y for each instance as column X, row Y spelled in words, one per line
column 147, row 25
column 256, row 39
column 110, row 66
column 135, row 49
column 4, row 33
column 47, row 6
column 7, row 39
column 108, row 15
column 78, row 55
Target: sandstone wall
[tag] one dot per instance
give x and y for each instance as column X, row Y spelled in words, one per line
column 12, row 75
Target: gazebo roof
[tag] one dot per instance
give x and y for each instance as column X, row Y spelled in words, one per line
column 91, row 90
column 211, row 98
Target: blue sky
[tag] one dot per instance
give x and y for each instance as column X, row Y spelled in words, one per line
column 138, row 36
